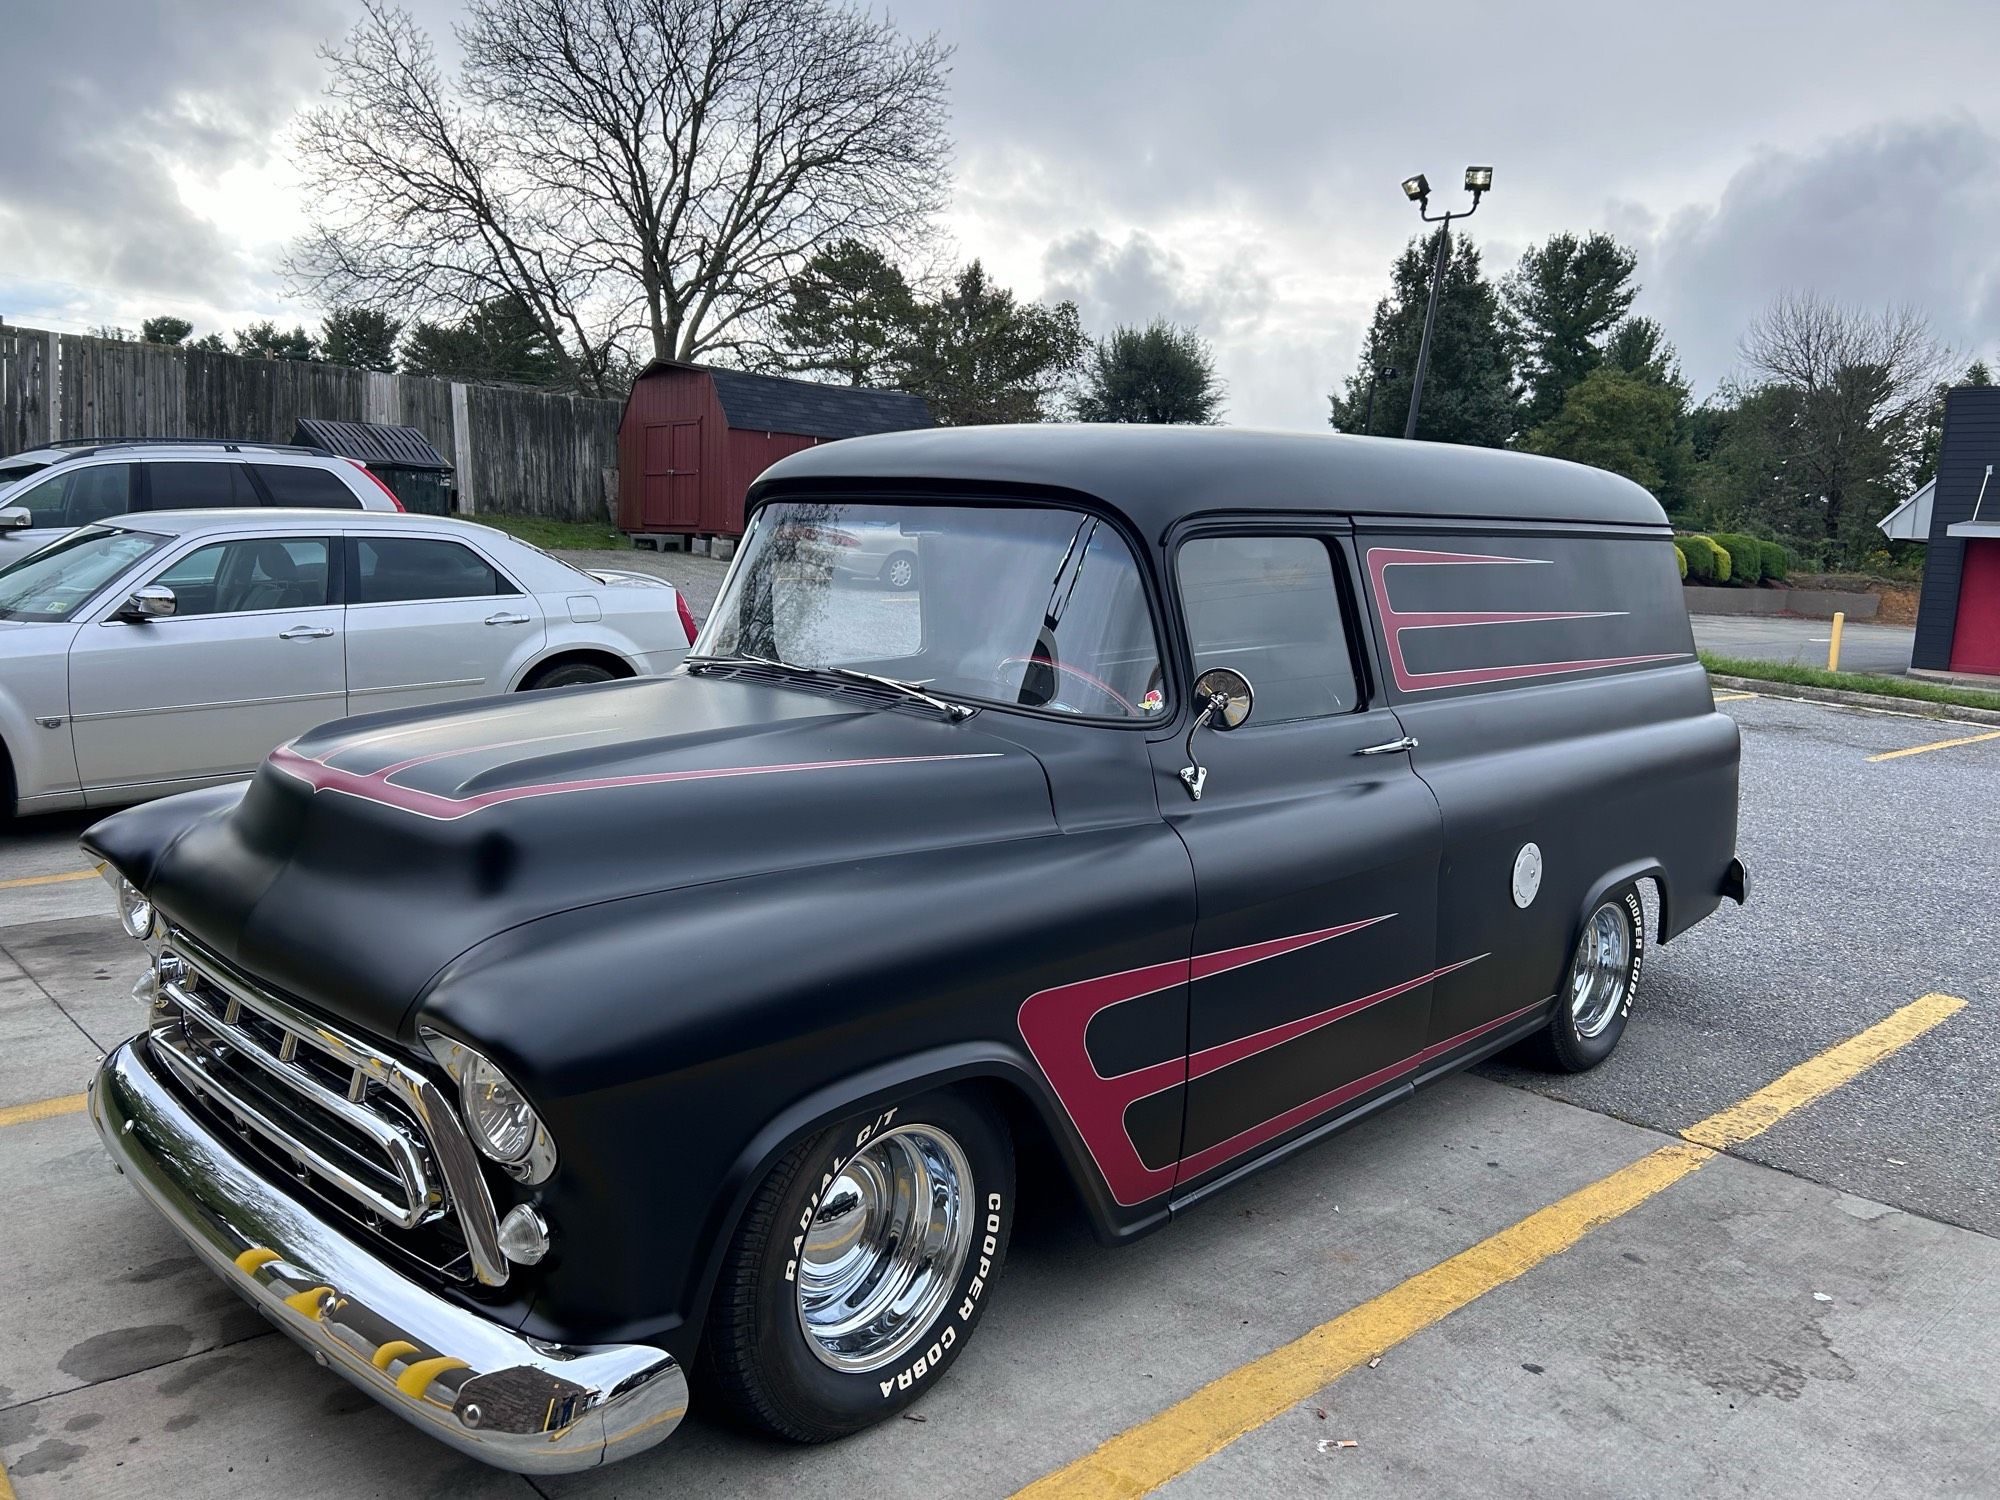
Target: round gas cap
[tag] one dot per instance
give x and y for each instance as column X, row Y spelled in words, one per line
column 1527, row 875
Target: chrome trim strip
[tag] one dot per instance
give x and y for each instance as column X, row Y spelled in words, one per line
column 195, row 708
column 508, row 1400
column 451, row 1149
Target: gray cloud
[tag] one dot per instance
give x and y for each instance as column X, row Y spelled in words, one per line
column 137, row 93
column 1906, row 212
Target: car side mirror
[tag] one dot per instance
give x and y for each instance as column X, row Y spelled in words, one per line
column 153, row 602
column 1225, row 700
column 16, row 518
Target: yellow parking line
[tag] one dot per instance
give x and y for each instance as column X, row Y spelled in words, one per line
column 1970, row 739
column 1142, row 1458
column 41, row 1109
column 1733, row 697
column 25, row 880
column 6, row 1485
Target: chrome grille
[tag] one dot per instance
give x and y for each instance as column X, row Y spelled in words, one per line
column 351, row 1120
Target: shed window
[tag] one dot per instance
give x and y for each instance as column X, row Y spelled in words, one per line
column 1268, row 606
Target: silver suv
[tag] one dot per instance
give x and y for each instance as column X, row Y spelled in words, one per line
column 83, row 482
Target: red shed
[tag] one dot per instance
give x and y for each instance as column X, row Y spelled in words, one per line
column 693, row 437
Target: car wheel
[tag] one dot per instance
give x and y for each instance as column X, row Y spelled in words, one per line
column 570, row 674
column 1600, row 986
column 861, row 1268
column 900, row 571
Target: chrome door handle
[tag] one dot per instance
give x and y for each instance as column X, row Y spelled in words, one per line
column 1407, row 742
column 506, row 619
column 305, row 633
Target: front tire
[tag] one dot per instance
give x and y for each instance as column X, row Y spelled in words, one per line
column 860, row 1269
column 1601, row 983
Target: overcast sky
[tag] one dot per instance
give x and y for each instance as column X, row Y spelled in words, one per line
column 1235, row 166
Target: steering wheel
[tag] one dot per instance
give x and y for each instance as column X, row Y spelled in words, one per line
column 1075, row 674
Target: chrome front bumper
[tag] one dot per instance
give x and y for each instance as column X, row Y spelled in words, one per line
column 511, row 1401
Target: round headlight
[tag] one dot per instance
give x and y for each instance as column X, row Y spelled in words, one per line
column 135, row 912
column 502, row 1124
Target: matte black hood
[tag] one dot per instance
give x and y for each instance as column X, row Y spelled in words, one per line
column 368, row 854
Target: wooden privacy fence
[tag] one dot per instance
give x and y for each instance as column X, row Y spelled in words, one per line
column 517, row 451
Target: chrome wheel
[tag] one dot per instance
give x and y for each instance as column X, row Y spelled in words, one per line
column 885, row 1246
column 901, row 573
column 1601, row 971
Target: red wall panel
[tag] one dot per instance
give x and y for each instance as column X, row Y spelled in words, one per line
column 654, row 491
column 1975, row 643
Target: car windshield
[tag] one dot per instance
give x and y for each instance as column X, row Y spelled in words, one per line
column 56, row 581
column 1022, row 606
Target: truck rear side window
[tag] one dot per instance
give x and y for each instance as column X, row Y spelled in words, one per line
column 1268, row 606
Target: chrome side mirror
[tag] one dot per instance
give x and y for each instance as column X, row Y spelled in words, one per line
column 153, row 602
column 1226, row 699
column 16, row 518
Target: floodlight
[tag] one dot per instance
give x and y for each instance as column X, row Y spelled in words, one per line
column 1416, row 188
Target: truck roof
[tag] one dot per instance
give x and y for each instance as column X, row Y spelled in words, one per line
column 1158, row 475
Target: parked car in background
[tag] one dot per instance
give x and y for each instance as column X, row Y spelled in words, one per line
column 172, row 650
column 1210, row 791
column 67, row 485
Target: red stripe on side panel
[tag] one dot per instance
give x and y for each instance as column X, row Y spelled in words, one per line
column 1396, row 622
column 1212, row 1059
column 1225, row 959
column 1214, row 1156
column 1054, row 1022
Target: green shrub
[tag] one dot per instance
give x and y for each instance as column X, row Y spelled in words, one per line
column 1708, row 560
column 1699, row 560
column 1681, row 559
column 1746, row 558
column 1776, row 560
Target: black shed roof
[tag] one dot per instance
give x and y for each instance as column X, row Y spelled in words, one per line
column 1158, row 475
column 777, row 403
column 375, row 443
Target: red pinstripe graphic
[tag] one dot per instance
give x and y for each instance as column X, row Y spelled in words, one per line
column 1222, row 961
column 375, row 786
column 1395, row 622
column 1213, row 1059
column 1214, row 1156
column 1055, row 1023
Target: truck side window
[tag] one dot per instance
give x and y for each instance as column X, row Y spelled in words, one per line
column 1268, row 606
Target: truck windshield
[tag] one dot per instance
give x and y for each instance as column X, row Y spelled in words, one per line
column 56, row 581
column 1021, row 606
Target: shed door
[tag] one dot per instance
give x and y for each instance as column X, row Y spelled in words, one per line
column 671, row 500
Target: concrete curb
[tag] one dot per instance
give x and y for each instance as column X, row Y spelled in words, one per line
column 1915, row 708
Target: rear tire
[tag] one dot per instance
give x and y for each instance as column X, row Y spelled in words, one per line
column 861, row 1268
column 1599, row 987
column 568, row 674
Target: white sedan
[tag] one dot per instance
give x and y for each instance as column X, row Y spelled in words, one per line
column 170, row 650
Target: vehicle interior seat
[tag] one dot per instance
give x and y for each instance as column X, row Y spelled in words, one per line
column 265, row 578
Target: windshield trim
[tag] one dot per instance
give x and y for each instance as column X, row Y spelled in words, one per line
column 1165, row 640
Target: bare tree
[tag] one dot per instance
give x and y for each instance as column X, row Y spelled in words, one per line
column 1853, row 385
column 643, row 175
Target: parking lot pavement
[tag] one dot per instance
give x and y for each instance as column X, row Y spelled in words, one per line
column 1679, row 1346
column 1863, row 647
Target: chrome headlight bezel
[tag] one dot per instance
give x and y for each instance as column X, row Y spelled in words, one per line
column 534, row 1159
column 138, row 918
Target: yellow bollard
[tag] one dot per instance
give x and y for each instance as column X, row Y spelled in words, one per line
column 1833, row 642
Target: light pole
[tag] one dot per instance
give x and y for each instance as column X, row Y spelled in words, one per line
column 1368, row 422
column 1478, row 181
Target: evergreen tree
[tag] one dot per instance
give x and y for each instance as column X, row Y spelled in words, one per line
column 1159, row 373
column 1626, row 422
column 1929, row 437
column 848, row 315
column 165, row 330
column 1469, row 390
column 1560, row 303
column 978, row 355
column 360, row 338
column 499, row 341
column 265, row 340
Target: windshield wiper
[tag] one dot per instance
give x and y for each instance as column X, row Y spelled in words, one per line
column 952, row 711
